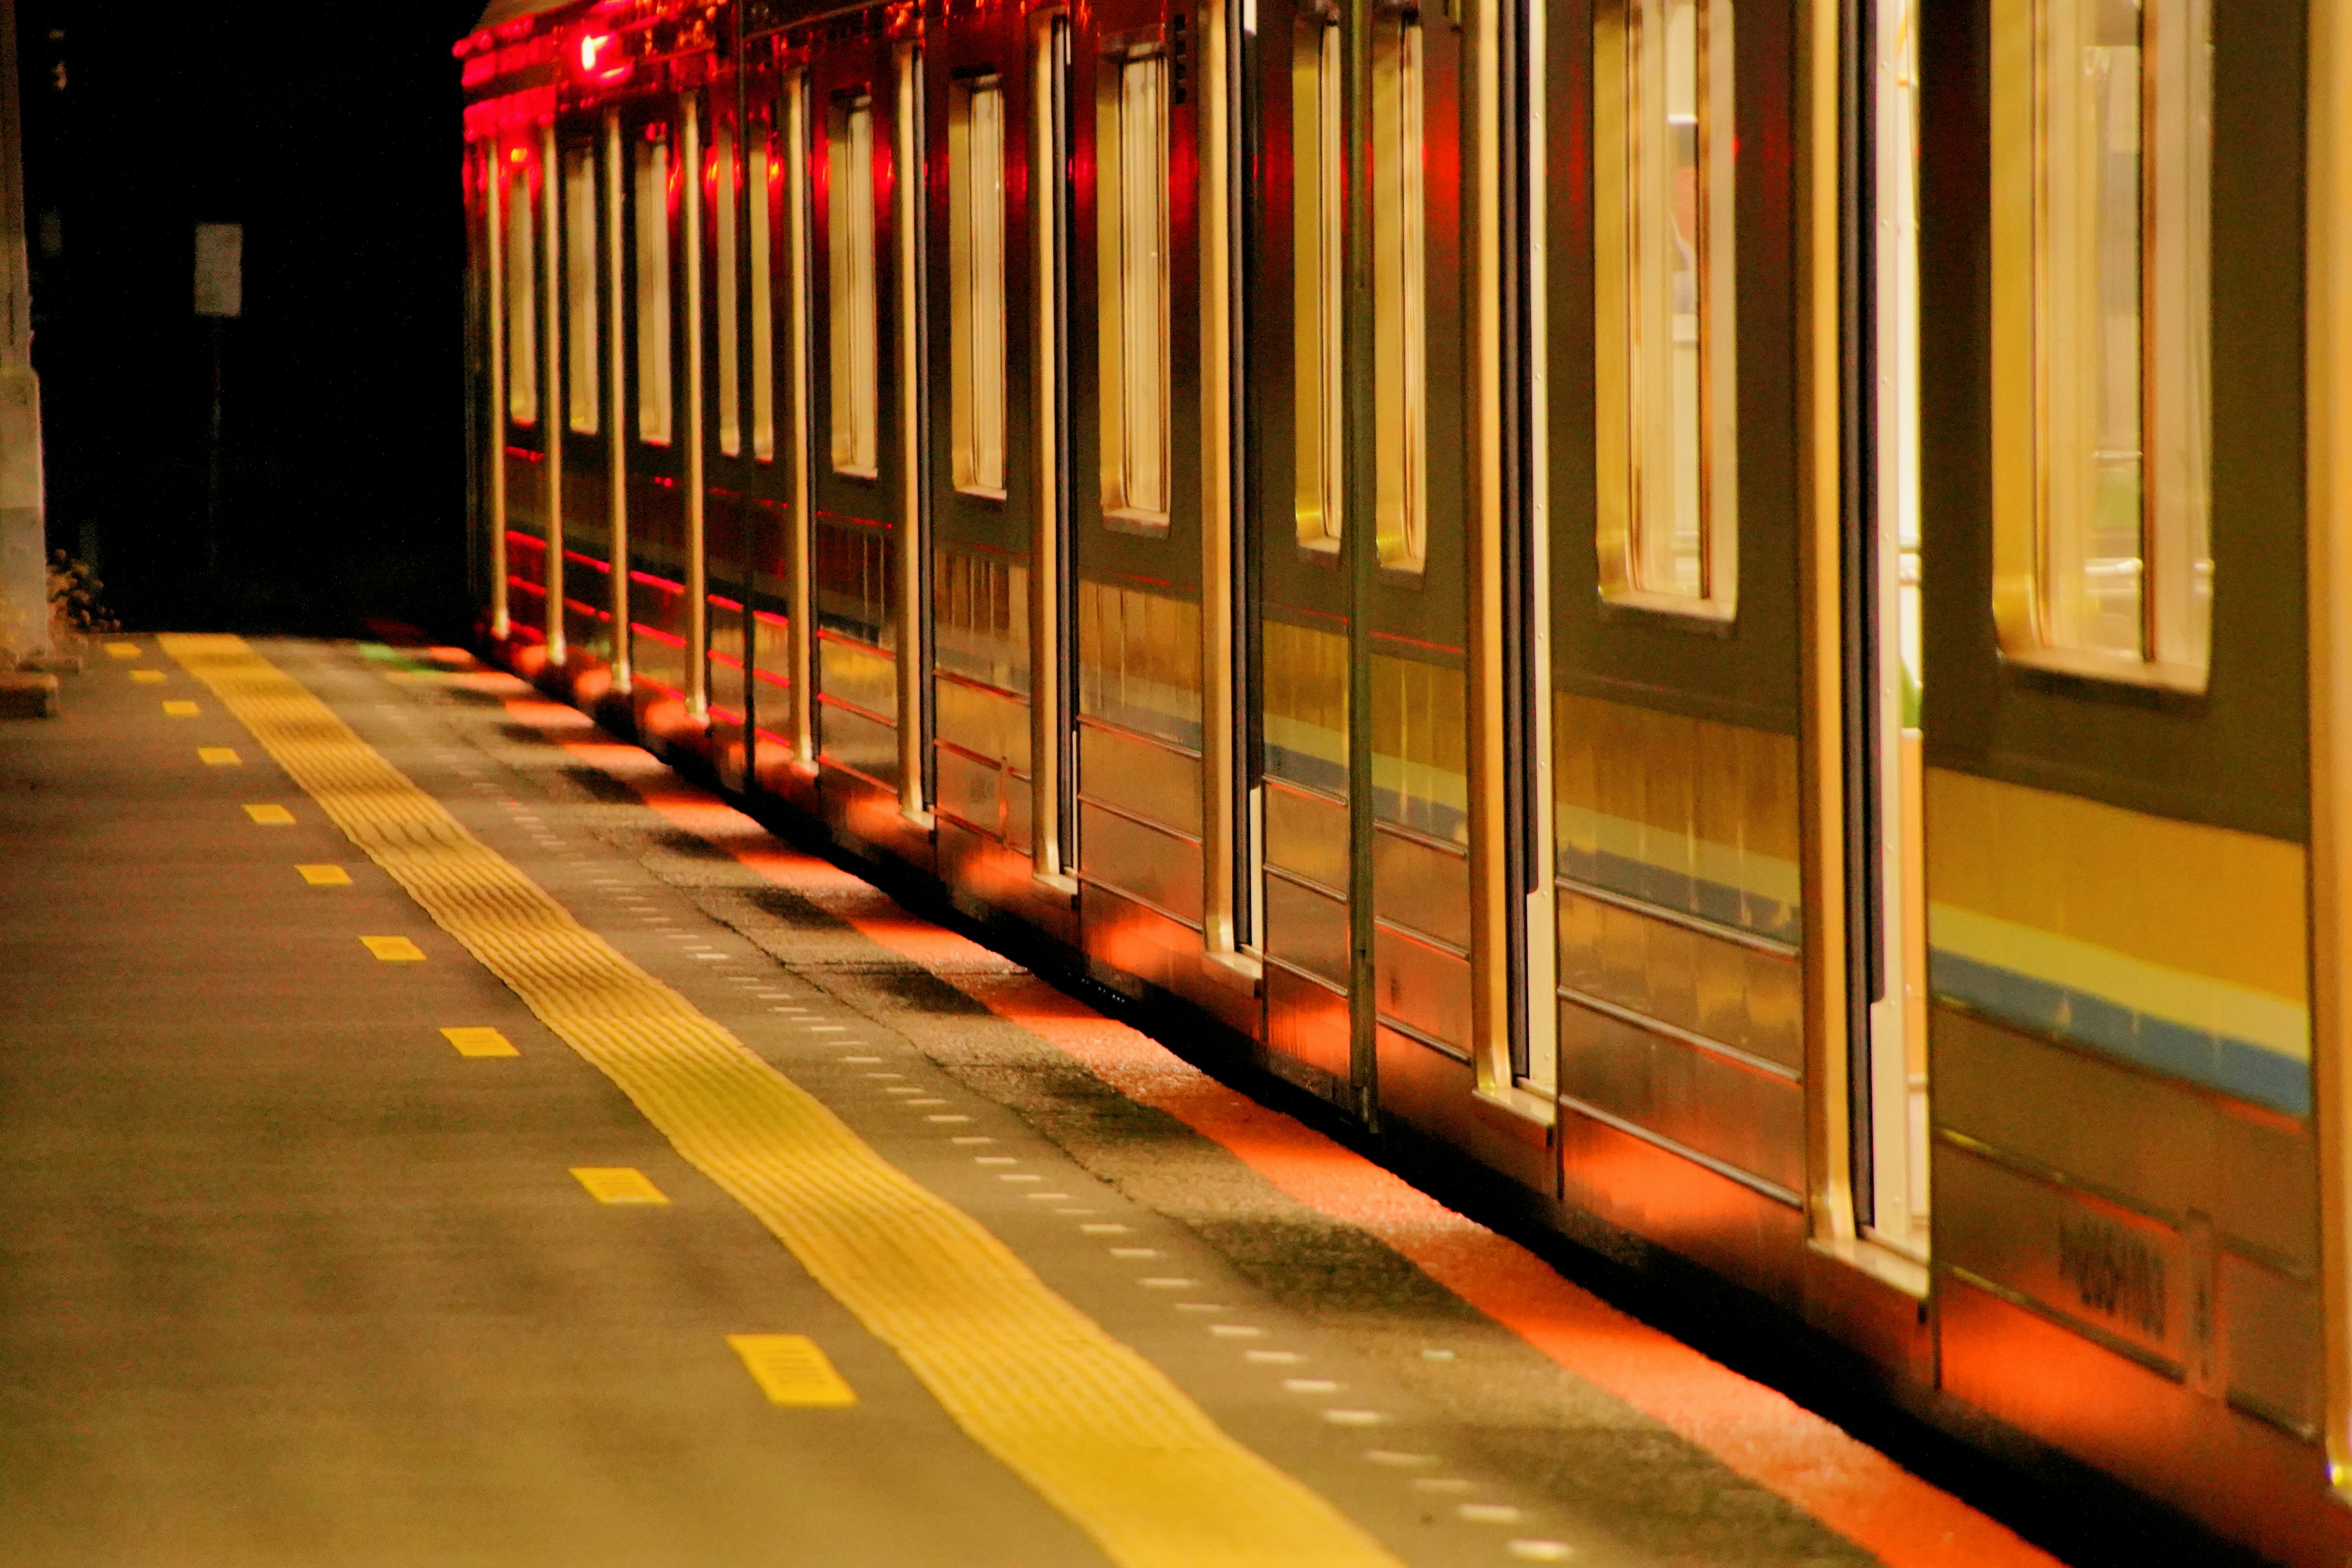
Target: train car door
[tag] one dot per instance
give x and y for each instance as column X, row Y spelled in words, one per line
column 778, row 234
column 586, row 151
column 869, row 570
column 1415, row 494
column 1365, row 484
column 747, row 515
column 1052, row 647
column 987, row 465
column 518, row 209
column 477, row 380
column 661, row 135
column 1676, row 520
column 775, row 306
column 1294, row 285
column 486, row 304
column 1885, row 867
column 1135, row 492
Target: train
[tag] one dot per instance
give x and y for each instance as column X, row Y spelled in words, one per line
column 1735, row 612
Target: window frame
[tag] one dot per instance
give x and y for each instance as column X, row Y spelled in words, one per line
column 726, row 209
column 978, row 317
column 853, row 336
column 1628, row 426
column 763, row 181
column 1318, row 219
column 521, row 242
column 583, row 409
column 2030, row 376
column 1127, row 491
column 1400, row 285
column 653, row 174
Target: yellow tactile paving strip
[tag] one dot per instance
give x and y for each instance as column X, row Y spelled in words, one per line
column 1099, row 1432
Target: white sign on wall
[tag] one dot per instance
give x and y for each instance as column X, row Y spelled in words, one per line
column 220, row 268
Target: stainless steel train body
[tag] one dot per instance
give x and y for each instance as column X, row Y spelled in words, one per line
column 1736, row 609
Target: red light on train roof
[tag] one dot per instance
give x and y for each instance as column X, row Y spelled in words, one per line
column 600, row 61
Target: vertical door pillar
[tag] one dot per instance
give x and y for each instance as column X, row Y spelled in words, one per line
column 1489, row 759
column 553, row 414
column 913, row 540
column 1358, row 543
column 1220, row 694
column 803, row 601
column 1046, row 565
column 2329, row 534
column 1821, row 757
column 698, row 588
column 616, row 436
column 493, row 218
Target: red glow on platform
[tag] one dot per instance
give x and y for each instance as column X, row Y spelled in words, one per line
column 670, row 720
column 1753, row 1430
column 540, row 713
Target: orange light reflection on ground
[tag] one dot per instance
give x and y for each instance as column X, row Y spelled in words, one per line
column 1756, row 1432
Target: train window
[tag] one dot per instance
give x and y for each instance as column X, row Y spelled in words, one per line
column 766, row 177
column 1663, row 182
column 522, row 301
column 651, row 202
column 1317, row 216
column 580, row 288
column 1131, row 187
column 976, row 279
column 1401, row 490
column 725, row 197
column 849, row 238
column 2103, row 559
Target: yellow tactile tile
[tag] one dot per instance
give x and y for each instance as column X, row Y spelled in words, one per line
column 393, row 949
column 473, row 1040
column 325, row 876
column 791, row 1370
column 618, row 1184
column 1098, row 1431
column 149, row 676
column 270, row 816
column 124, row 649
column 219, row 756
column 180, row 707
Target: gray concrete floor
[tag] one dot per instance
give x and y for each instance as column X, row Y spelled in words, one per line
column 286, row 1280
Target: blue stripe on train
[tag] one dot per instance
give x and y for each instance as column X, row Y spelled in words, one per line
column 2234, row 1066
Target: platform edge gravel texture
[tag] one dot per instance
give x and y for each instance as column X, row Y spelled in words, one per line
column 1101, row 1434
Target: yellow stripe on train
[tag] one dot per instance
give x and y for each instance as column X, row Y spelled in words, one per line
column 2210, row 904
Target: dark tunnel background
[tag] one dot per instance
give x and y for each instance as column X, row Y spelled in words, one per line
column 332, row 134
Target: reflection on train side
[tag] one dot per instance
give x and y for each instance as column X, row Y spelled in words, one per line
column 1600, row 589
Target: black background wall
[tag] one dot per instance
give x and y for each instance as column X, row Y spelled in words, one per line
column 331, row 134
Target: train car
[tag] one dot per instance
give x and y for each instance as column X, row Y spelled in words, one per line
column 1734, row 612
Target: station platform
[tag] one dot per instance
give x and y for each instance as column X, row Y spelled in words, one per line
column 437, row 1134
